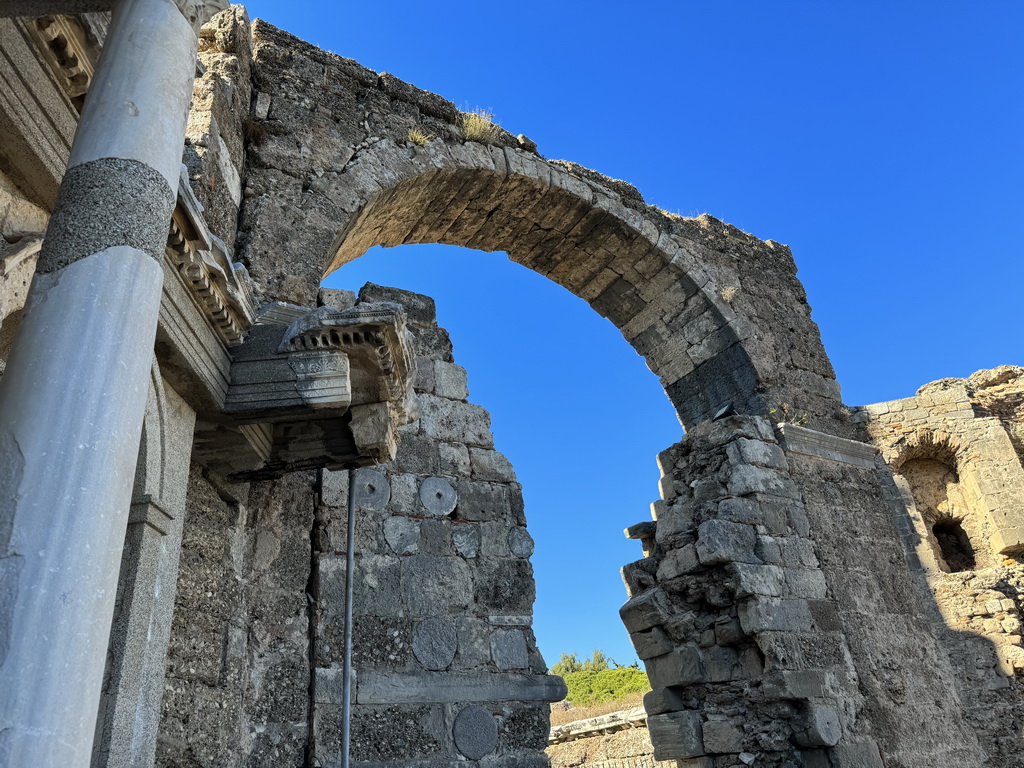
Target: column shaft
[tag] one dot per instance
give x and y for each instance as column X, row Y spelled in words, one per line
column 73, row 396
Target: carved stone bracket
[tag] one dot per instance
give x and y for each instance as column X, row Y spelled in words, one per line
column 328, row 387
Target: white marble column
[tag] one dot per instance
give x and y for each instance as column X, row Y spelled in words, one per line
column 73, row 396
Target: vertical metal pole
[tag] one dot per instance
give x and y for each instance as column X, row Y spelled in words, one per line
column 350, row 566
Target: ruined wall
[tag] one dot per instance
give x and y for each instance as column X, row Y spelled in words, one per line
column 446, row 663
column 237, row 688
column 955, row 452
column 718, row 314
column 447, row 667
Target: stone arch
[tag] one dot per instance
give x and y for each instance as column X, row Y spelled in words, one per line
column 690, row 295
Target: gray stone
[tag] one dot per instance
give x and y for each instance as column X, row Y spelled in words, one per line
column 104, row 204
column 761, row 614
column 679, row 562
column 650, row 643
column 475, row 732
column 438, row 496
column 435, row 585
column 744, row 451
column 719, row 541
column 454, row 458
column 859, row 755
column 491, row 466
column 794, row 684
column 373, row 491
column 676, row 735
column 434, row 643
column 683, row 666
column 661, row 700
column 509, row 650
column 645, row 611
column 450, row 381
column 331, row 297
column 483, row 501
column 821, row 726
column 466, row 538
column 746, row 479
column 722, row 737
column 520, row 542
column 768, row 580
column 402, row 534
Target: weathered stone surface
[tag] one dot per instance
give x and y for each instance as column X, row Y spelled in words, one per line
column 437, row 496
column 683, row 666
column 722, row 542
column 372, row 490
column 466, row 539
column 676, row 735
column 645, row 611
column 402, row 535
column 520, row 542
column 509, row 650
column 434, row 643
column 475, row 732
column 435, row 585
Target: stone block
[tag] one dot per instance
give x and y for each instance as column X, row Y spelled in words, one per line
column 746, row 451
column 676, row 735
column 329, row 297
column 644, row 611
column 404, row 489
column 491, row 466
column 793, row 684
column 424, row 381
column 480, row 502
column 806, row 583
column 683, row 666
column 652, row 642
column 334, row 489
column 435, row 642
column 454, row 458
column 520, row 542
column 861, row 755
column 819, row 726
column 638, row 576
column 417, row 455
column 678, row 562
column 722, row 737
column 767, row 580
column 728, row 631
column 761, row 614
column 660, row 700
column 475, row 732
column 509, row 650
column 505, row 586
column 722, row 664
column 746, row 511
column 435, row 585
column 746, row 479
column 451, row 421
column 466, row 538
column 719, row 541
column 450, row 381
column 402, row 534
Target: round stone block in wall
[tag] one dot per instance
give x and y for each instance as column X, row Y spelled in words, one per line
column 476, row 732
column 438, row 496
column 373, row 491
column 520, row 543
column 434, row 643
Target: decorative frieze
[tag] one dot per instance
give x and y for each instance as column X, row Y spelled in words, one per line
column 70, row 51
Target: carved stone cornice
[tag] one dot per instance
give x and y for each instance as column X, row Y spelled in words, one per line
column 328, row 387
column 198, row 12
column 220, row 286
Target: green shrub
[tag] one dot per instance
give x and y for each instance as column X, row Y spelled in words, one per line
column 589, row 687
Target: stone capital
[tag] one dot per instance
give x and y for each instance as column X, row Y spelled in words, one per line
column 198, row 12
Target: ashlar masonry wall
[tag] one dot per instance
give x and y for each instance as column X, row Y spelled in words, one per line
column 970, row 430
column 446, row 663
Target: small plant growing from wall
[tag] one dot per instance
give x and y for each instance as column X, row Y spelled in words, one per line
column 419, row 137
column 478, row 125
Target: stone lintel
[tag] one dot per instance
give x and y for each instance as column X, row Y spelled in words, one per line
column 614, row 721
column 448, row 688
column 810, row 442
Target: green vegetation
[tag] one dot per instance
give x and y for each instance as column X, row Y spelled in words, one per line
column 598, row 679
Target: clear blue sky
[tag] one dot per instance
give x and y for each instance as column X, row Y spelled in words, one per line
column 880, row 140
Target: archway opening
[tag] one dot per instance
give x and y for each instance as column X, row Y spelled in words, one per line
column 573, row 407
column 955, row 547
